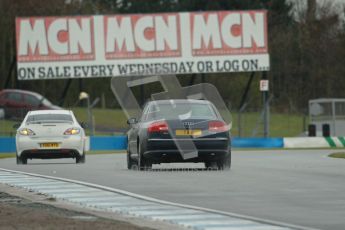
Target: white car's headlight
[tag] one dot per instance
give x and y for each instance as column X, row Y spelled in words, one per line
column 26, row 132
column 72, row 131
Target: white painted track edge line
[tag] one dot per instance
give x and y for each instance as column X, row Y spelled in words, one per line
column 146, row 198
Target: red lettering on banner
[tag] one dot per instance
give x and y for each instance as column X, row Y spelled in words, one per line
column 55, row 39
column 228, row 33
column 142, row 36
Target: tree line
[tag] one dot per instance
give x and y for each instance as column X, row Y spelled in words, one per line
column 306, row 45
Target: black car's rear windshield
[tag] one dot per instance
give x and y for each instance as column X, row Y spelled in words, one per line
column 50, row 118
column 180, row 111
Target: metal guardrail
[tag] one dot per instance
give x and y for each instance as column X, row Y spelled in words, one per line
column 7, row 144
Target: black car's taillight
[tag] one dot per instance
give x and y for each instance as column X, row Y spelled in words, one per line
column 158, row 126
column 217, row 126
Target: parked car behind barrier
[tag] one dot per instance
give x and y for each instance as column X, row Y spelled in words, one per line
column 16, row 103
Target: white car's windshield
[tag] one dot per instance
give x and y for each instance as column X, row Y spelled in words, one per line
column 49, row 118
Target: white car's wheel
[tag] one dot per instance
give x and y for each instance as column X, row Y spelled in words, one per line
column 80, row 159
column 21, row 160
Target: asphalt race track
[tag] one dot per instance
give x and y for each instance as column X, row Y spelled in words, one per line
column 301, row 187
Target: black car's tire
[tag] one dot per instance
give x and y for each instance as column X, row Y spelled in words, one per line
column 21, row 160
column 143, row 163
column 80, row 159
column 211, row 165
column 225, row 163
column 131, row 164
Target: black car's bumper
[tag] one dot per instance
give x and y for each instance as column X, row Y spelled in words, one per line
column 166, row 150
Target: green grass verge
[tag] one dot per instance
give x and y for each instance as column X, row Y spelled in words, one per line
column 7, row 155
column 103, row 116
column 6, row 128
column 281, row 125
column 337, row 155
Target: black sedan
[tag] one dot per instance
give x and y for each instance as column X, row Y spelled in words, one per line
column 179, row 131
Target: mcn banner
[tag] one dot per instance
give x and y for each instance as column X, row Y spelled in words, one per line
column 143, row 44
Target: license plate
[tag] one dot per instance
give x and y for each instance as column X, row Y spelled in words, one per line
column 50, row 145
column 186, row 132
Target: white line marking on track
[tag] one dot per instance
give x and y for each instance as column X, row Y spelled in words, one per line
column 161, row 212
column 181, row 217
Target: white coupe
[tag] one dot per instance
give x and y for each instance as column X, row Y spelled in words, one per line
column 50, row 134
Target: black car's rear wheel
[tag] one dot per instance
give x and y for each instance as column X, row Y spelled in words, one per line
column 211, row 165
column 143, row 163
column 131, row 164
column 225, row 163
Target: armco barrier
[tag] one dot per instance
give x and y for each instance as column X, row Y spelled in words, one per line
column 7, row 144
column 238, row 142
column 108, row 143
